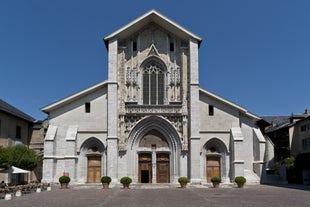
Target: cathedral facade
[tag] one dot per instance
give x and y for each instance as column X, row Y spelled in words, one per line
column 150, row 120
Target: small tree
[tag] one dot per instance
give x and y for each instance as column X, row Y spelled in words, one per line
column 5, row 158
column 290, row 169
column 23, row 157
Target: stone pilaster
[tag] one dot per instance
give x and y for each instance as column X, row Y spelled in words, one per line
column 194, row 114
column 112, row 111
column 112, row 156
column 112, row 60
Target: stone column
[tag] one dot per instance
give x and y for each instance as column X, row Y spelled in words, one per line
column 194, row 114
column 112, row 139
column 153, row 166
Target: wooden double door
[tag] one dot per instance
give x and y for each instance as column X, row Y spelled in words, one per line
column 162, row 168
column 213, row 167
column 94, row 169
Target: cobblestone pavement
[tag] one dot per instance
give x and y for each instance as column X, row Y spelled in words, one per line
column 166, row 195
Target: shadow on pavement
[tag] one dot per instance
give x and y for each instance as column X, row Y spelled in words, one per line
column 291, row 186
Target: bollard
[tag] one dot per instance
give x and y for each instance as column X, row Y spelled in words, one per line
column 18, row 193
column 8, row 197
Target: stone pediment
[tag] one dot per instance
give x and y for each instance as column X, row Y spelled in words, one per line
column 152, row 17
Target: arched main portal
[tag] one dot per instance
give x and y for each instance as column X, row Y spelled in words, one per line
column 150, row 157
column 154, row 151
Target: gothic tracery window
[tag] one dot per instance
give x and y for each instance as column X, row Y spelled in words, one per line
column 153, row 83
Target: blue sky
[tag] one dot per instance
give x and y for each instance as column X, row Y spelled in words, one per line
column 254, row 53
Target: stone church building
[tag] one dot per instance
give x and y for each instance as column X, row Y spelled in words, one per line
column 150, row 120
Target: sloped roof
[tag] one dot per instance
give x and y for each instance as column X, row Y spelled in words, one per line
column 5, row 107
column 280, row 122
column 73, row 97
column 149, row 17
column 277, row 127
column 225, row 101
column 276, row 120
column 306, row 117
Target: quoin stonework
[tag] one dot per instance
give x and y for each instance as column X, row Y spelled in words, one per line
column 150, row 120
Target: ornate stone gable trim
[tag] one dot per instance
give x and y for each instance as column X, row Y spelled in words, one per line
column 153, row 51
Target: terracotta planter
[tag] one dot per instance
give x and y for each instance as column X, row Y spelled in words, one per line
column 216, row 184
column 105, row 185
column 64, row 185
column 126, row 185
column 240, row 185
column 183, row 185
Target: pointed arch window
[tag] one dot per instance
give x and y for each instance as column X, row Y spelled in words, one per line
column 153, row 83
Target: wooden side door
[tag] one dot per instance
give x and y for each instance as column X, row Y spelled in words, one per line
column 94, row 169
column 145, row 168
column 162, row 168
column 213, row 167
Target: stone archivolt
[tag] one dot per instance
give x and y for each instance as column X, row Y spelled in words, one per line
column 132, row 114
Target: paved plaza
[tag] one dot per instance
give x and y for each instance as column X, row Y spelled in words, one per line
column 153, row 195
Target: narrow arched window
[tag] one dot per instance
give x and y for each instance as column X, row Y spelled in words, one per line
column 153, row 83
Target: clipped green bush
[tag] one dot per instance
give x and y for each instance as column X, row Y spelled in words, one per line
column 106, row 179
column 126, row 180
column 183, row 180
column 216, row 179
column 64, row 179
column 240, row 179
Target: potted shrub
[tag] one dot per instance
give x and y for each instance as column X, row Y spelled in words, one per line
column 240, row 180
column 126, row 182
column 216, row 181
column 105, row 180
column 64, row 181
column 183, row 181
